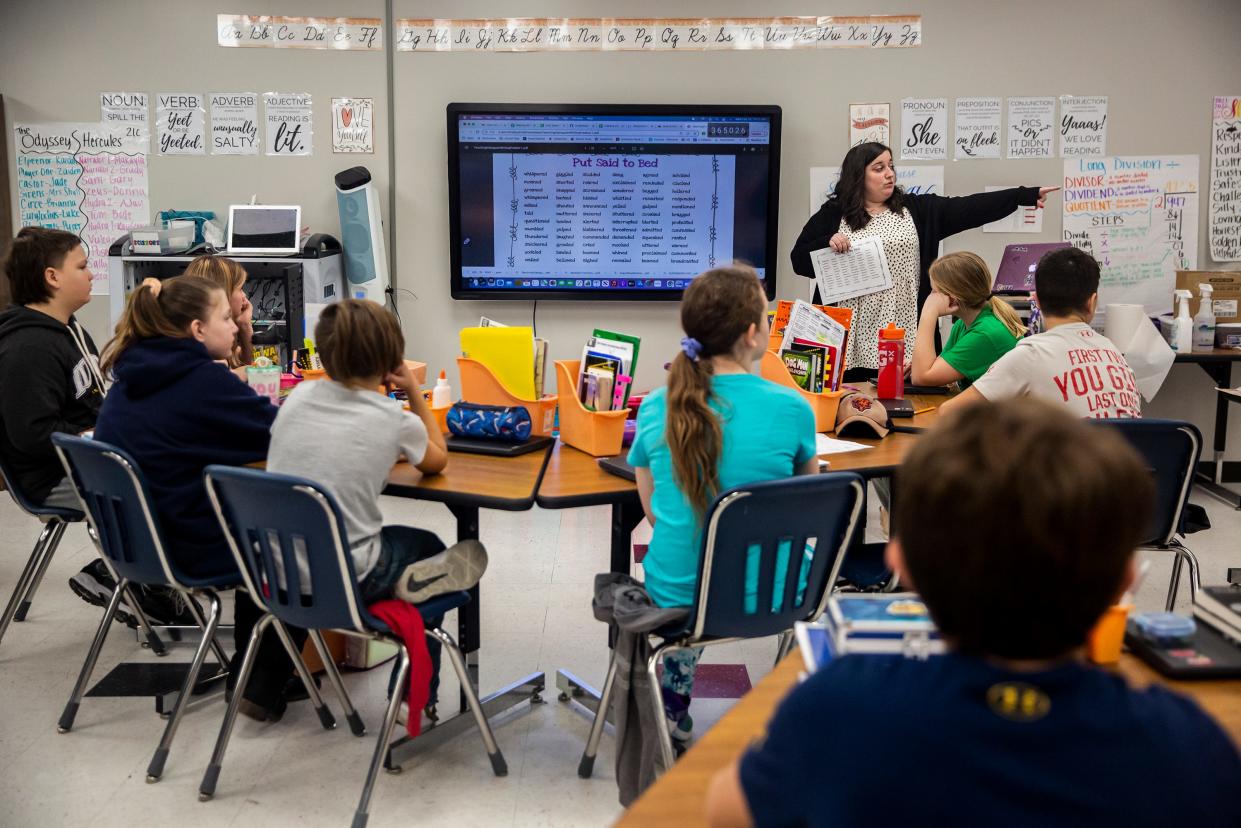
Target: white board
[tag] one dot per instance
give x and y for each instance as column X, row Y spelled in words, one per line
column 1138, row 215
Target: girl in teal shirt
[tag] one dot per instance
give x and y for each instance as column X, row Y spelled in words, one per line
column 986, row 329
column 714, row 426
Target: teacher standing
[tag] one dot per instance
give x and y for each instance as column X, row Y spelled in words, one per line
column 867, row 204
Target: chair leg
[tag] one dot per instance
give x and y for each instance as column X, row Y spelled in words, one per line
column 1183, row 556
column 92, row 655
column 498, row 765
column 206, row 789
column 361, row 815
column 657, row 705
column 587, row 764
column 23, row 589
column 784, row 646
column 153, row 639
column 156, row 768
column 48, row 551
column 220, row 655
column 333, row 676
column 325, row 716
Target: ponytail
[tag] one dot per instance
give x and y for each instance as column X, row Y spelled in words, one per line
column 965, row 277
column 1008, row 315
column 695, row 438
column 718, row 307
column 160, row 309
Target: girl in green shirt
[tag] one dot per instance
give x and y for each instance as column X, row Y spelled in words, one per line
column 987, row 327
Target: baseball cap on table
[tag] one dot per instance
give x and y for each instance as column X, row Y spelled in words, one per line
column 857, row 410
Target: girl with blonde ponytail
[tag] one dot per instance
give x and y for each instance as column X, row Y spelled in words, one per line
column 716, row 425
column 986, row 329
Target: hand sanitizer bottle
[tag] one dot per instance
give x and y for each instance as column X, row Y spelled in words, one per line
column 1204, row 322
column 1182, row 339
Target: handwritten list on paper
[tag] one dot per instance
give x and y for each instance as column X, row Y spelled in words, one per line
column 978, row 128
column 1031, row 127
column 1138, row 215
column 88, row 179
column 1083, row 126
column 924, row 129
column 1224, row 213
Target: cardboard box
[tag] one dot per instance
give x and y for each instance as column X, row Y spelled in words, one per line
column 335, row 646
column 1225, row 293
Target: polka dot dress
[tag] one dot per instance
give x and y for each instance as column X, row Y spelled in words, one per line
column 899, row 303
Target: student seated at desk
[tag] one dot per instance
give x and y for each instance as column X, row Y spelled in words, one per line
column 357, row 433
column 1070, row 362
column 177, row 409
column 50, row 381
column 231, row 276
column 715, row 426
column 1010, row 727
column 986, row 329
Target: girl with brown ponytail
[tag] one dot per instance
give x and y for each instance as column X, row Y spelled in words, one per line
column 716, row 425
column 986, row 329
column 231, row 276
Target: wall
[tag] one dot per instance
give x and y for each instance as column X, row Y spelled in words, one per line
column 1159, row 67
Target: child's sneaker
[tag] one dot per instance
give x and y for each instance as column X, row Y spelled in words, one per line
column 458, row 567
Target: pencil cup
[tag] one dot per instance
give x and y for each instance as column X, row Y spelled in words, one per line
column 479, row 385
column 265, row 380
column 598, row 433
column 1103, row 645
column 823, row 404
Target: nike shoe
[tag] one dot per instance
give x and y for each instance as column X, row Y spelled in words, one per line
column 94, row 585
column 458, row 567
column 163, row 606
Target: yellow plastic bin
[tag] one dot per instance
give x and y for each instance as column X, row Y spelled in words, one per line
column 823, row 404
column 479, row 385
column 598, row 433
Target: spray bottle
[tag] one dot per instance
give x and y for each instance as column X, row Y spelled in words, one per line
column 1182, row 339
column 1204, row 322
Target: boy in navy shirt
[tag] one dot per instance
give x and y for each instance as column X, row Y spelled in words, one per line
column 1010, row 727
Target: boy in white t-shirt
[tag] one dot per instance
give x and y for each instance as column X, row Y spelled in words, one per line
column 1070, row 363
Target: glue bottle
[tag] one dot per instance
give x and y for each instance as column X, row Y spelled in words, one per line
column 1182, row 339
column 441, row 394
column 891, row 384
column 1204, row 322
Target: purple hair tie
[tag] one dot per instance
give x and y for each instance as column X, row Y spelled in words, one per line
column 691, row 347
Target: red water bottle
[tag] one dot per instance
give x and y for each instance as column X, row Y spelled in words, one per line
column 891, row 363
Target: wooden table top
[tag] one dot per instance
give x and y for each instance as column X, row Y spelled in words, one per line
column 508, row 483
column 573, row 478
column 677, row 798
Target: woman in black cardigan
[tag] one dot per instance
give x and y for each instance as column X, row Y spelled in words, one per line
column 867, row 202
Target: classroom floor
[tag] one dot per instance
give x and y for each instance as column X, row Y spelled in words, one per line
column 536, row 615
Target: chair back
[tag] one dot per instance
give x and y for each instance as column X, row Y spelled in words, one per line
column 273, row 520
column 118, row 508
column 771, row 552
column 25, row 503
column 1171, row 448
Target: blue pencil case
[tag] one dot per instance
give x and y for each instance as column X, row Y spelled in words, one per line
column 507, row 424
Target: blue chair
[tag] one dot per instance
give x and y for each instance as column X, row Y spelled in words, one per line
column 54, row 522
column 1171, row 448
column 273, row 520
column 125, row 527
column 800, row 526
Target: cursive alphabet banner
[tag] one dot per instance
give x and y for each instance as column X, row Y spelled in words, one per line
column 542, row 34
column 274, row 32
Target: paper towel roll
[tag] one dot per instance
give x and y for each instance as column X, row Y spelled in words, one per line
column 1122, row 323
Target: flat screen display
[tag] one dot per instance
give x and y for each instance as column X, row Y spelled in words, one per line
column 608, row 201
column 263, row 229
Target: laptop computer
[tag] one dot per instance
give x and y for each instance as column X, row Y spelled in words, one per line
column 1016, row 273
column 264, row 229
